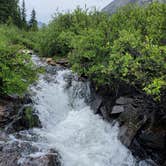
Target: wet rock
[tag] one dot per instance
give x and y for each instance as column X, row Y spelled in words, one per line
column 13, row 97
column 50, row 61
column 137, row 130
column 26, row 119
column 155, row 140
column 25, row 154
column 8, row 159
column 10, row 106
column 50, row 159
column 138, row 151
column 147, row 162
column 105, row 113
column 2, row 113
column 16, row 100
column 51, row 69
column 124, row 101
column 63, row 62
column 10, row 153
column 131, row 122
column 141, row 120
column 96, row 104
column 26, row 99
column 126, row 135
column 117, row 109
column 6, row 114
column 26, row 135
column 3, row 136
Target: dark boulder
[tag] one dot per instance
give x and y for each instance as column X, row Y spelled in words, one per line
column 3, row 136
column 140, row 128
column 6, row 113
column 117, row 109
column 25, row 154
column 153, row 139
column 10, row 106
column 130, row 122
column 50, row 159
column 24, row 120
column 124, row 101
column 10, row 153
column 96, row 104
column 104, row 112
column 63, row 62
column 141, row 120
column 153, row 142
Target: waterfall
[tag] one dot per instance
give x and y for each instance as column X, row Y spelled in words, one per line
column 70, row 126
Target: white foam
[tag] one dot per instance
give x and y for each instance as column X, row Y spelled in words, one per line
column 82, row 138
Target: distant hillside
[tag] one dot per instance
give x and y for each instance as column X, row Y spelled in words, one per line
column 40, row 24
column 113, row 6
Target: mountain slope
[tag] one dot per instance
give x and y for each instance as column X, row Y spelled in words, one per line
column 113, row 6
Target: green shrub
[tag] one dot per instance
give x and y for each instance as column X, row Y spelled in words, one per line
column 127, row 47
column 55, row 40
column 16, row 69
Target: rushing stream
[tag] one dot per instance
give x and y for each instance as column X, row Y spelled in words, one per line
column 82, row 138
column 69, row 125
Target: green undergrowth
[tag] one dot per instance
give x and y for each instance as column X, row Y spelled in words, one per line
column 127, row 47
column 17, row 71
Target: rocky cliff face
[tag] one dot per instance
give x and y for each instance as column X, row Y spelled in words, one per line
column 114, row 5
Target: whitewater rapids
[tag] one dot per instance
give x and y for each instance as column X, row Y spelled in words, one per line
column 70, row 126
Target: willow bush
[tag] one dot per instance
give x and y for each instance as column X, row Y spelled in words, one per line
column 127, row 47
column 17, row 71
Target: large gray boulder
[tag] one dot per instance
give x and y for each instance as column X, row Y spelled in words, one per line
column 14, row 153
column 116, row 4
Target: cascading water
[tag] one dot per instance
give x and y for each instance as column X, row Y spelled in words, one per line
column 70, row 127
column 71, row 134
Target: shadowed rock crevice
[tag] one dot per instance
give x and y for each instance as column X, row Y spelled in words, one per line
column 17, row 113
column 141, row 120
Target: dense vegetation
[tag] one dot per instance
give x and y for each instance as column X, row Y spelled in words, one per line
column 128, row 47
column 16, row 69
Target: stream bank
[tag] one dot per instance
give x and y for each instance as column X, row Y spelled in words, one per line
column 142, row 121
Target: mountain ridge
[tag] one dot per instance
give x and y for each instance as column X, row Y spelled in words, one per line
column 114, row 5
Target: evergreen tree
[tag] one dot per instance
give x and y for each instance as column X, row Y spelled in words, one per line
column 9, row 12
column 16, row 15
column 33, row 22
column 23, row 15
column 4, row 10
column 18, row 18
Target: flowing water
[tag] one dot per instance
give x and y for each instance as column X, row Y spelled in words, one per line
column 70, row 126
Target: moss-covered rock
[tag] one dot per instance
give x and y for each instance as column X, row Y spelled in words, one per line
column 26, row 119
column 29, row 118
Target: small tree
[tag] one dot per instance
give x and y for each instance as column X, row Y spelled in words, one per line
column 33, row 22
column 23, row 15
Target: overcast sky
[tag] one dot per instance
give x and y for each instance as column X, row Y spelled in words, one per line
column 46, row 8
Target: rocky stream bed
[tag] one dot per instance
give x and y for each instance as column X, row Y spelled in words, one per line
column 65, row 121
